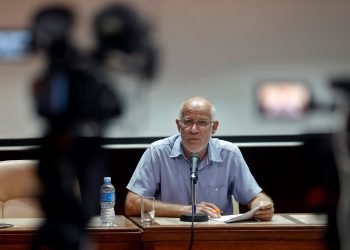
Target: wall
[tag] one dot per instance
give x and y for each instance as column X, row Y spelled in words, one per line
column 216, row 49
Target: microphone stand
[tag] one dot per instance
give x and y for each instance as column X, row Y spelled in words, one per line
column 194, row 217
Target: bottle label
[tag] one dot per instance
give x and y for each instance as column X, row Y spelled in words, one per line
column 108, row 197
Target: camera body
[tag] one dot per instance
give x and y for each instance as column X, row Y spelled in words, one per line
column 75, row 87
column 75, row 97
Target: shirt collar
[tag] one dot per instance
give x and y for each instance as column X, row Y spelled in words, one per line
column 177, row 149
column 213, row 152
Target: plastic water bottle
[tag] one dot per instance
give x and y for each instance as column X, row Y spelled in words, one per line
column 107, row 201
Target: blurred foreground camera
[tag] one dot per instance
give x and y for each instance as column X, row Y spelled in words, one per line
column 124, row 38
column 341, row 150
column 75, row 97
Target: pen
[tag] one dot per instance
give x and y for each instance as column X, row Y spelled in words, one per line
column 217, row 210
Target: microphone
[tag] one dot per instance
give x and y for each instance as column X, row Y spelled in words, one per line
column 197, row 217
column 194, row 165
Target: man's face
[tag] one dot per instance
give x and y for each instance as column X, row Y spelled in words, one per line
column 196, row 127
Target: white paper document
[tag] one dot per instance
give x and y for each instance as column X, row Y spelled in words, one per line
column 237, row 217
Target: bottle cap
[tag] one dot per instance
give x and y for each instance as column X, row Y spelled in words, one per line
column 107, row 179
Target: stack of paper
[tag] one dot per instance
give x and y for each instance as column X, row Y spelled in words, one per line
column 237, row 217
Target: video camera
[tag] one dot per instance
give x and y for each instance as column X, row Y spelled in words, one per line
column 74, row 87
column 74, row 95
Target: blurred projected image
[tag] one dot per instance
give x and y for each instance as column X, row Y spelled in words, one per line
column 286, row 100
column 14, row 44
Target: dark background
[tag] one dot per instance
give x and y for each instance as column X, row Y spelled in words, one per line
column 298, row 172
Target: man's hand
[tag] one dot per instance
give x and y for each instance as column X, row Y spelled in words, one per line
column 208, row 208
column 266, row 211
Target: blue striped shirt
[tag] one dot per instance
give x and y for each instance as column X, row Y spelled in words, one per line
column 164, row 172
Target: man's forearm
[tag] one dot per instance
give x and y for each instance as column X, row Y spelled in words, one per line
column 133, row 207
column 170, row 210
column 163, row 209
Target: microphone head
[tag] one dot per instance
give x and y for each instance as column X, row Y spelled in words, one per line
column 194, row 166
column 194, row 155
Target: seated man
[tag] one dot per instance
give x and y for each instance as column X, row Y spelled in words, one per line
column 165, row 168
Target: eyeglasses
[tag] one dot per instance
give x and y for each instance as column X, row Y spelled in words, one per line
column 188, row 123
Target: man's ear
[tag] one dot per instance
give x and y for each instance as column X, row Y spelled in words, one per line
column 178, row 125
column 214, row 127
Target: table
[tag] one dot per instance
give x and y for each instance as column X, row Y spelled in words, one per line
column 126, row 235
column 285, row 231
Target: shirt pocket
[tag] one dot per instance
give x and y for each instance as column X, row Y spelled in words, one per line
column 217, row 194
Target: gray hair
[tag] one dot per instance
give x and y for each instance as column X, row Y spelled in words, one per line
column 212, row 108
